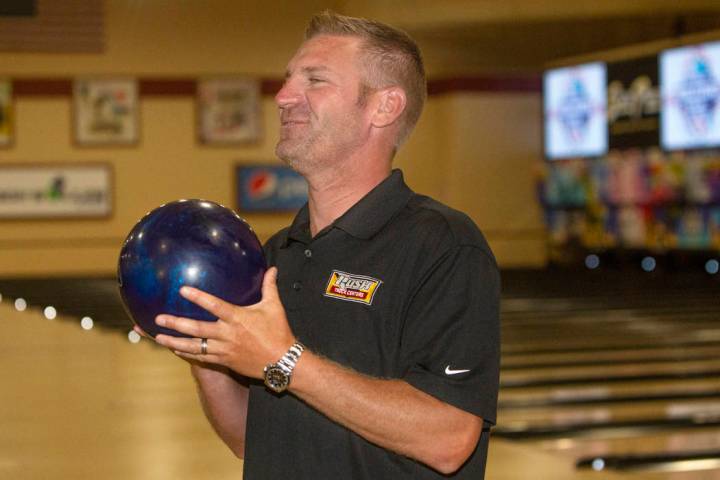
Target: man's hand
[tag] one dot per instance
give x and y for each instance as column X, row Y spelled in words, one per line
column 244, row 339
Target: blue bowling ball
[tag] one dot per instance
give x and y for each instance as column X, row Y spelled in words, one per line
column 188, row 242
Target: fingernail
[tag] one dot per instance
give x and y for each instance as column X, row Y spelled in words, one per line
column 160, row 320
column 185, row 291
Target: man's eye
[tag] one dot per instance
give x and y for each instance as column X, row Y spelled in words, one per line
column 315, row 80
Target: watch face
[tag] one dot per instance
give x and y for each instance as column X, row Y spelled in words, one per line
column 276, row 378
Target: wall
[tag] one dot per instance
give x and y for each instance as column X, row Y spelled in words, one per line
column 493, row 140
column 472, row 150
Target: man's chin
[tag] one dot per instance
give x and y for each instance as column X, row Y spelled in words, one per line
column 287, row 155
column 283, row 153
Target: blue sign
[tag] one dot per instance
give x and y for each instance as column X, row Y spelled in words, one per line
column 270, row 189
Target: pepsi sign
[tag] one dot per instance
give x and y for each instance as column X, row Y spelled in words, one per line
column 270, row 188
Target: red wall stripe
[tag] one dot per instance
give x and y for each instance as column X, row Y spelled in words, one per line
column 157, row 86
column 42, row 86
column 167, row 87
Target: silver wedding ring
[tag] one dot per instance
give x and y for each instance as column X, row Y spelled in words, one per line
column 203, row 346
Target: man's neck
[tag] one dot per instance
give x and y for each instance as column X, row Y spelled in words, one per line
column 334, row 191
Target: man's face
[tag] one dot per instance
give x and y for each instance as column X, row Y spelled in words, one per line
column 321, row 119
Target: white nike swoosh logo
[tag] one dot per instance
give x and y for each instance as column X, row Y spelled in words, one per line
column 448, row 371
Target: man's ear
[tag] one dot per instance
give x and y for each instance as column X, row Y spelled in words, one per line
column 390, row 104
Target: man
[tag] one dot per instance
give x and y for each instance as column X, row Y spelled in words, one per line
column 377, row 334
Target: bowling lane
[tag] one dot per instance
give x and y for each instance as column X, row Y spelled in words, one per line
column 700, row 449
column 627, row 371
column 618, row 332
column 566, row 326
column 638, row 300
column 604, row 373
column 88, row 405
column 668, row 442
column 642, row 326
column 604, row 413
column 519, row 461
column 563, row 290
column 689, row 313
column 649, row 355
column 625, row 431
column 673, row 475
column 546, row 396
column 599, row 341
column 678, row 455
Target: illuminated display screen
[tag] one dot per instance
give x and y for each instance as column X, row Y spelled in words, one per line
column 575, row 106
column 690, row 91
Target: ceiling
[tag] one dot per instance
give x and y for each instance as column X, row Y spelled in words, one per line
column 462, row 36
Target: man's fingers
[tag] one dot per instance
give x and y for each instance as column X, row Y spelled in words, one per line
column 180, row 344
column 269, row 286
column 217, row 306
column 201, row 359
column 142, row 332
column 193, row 328
column 191, row 348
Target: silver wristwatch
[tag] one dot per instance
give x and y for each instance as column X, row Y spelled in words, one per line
column 277, row 375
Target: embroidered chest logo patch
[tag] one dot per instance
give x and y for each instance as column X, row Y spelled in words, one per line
column 353, row 288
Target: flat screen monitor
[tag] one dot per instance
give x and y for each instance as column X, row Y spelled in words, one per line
column 575, row 111
column 690, row 92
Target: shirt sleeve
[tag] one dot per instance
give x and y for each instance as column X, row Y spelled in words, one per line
column 451, row 336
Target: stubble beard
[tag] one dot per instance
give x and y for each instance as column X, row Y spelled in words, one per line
column 322, row 145
column 297, row 153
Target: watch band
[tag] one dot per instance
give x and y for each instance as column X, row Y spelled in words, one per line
column 291, row 357
column 278, row 375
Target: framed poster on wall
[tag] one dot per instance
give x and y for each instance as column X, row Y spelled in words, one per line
column 105, row 111
column 228, row 110
column 6, row 113
column 63, row 190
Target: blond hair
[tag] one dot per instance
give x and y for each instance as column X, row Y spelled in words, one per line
column 391, row 58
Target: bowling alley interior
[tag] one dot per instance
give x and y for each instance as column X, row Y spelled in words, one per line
column 582, row 137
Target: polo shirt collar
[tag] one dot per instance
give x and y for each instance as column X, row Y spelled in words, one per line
column 364, row 219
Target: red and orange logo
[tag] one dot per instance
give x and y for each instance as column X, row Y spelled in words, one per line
column 353, row 288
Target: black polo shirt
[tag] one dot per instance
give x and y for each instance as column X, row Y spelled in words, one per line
column 401, row 287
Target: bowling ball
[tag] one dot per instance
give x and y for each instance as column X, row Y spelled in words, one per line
column 188, row 242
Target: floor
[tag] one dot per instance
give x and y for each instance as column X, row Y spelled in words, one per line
column 609, row 376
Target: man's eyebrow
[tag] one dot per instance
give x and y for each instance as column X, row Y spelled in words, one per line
column 319, row 68
column 308, row 70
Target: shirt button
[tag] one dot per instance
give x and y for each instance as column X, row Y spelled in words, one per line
column 308, row 253
column 297, row 286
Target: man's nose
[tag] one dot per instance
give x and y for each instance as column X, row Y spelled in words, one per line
column 288, row 94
